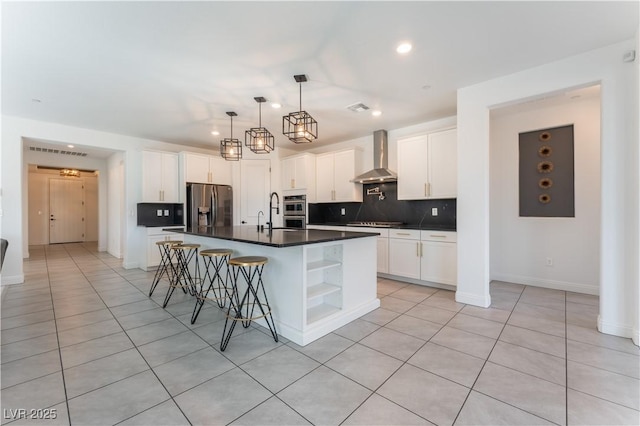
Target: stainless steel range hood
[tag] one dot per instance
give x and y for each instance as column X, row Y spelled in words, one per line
column 380, row 171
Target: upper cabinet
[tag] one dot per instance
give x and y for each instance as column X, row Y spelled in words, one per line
column 206, row 169
column 334, row 172
column 299, row 175
column 428, row 166
column 160, row 177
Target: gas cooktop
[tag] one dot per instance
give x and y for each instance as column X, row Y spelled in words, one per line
column 375, row 224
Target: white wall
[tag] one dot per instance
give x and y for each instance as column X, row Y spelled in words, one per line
column 115, row 204
column 520, row 245
column 14, row 192
column 619, row 166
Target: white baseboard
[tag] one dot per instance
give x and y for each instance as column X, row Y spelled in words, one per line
column 620, row 330
column 11, row 279
column 473, row 299
column 131, row 265
column 553, row 284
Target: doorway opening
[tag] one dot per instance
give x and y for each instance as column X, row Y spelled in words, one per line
column 63, row 208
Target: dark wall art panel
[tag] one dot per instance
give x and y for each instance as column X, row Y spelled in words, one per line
column 547, row 173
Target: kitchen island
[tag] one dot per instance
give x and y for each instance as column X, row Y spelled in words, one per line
column 316, row 280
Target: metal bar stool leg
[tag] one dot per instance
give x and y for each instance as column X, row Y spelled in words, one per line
column 243, row 310
column 182, row 277
column 165, row 266
column 235, row 305
column 214, row 260
column 265, row 314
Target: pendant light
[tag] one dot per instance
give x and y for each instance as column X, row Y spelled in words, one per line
column 259, row 139
column 299, row 126
column 230, row 148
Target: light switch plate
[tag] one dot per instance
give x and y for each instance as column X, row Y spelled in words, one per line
column 166, row 212
column 158, row 212
column 434, row 211
column 343, row 211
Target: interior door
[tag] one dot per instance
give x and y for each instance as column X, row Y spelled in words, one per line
column 66, row 211
column 255, row 176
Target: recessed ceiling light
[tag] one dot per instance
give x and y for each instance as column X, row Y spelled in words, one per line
column 376, row 113
column 404, row 48
column 215, row 133
column 70, row 146
column 276, row 105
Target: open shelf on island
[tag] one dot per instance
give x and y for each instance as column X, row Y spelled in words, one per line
column 322, row 264
column 324, row 279
column 322, row 289
column 319, row 312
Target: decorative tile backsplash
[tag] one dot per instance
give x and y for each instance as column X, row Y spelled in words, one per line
column 389, row 209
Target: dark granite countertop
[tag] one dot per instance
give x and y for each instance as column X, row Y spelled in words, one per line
column 280, row 237
column 426, row 227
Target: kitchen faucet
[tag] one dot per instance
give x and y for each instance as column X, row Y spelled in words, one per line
column 277, row 207
column 260, row 213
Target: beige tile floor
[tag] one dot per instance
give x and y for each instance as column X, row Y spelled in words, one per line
column 81, row 339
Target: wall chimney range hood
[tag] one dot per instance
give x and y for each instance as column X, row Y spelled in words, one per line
column 380, row 171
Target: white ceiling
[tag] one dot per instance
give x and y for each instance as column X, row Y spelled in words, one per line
column 169, row 71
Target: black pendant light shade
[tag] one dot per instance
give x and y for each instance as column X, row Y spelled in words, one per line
column 300, row 126
column 230, row 148
column 259, row 139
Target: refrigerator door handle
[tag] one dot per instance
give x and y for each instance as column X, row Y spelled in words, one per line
column 214, row 205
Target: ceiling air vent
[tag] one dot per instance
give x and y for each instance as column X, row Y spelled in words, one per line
column 57, row 151
column 358, row 107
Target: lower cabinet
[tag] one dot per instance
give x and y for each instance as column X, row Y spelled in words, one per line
column 151, row 257
column 439, row 260
column 424, row 255
column 404, row 253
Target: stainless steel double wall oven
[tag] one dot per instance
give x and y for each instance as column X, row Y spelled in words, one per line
column 295, row 211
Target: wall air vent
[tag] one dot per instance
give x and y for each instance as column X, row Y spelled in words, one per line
column 57, row 151
column 358, row 107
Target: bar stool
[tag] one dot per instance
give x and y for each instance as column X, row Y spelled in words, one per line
column 166, row 267
column 213, row 260
column 182, row 277
column 251, row 269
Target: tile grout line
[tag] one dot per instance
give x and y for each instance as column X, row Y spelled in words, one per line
column 133, row 343
column 55, row 322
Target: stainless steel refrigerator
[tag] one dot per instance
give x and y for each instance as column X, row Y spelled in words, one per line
column 209, row 205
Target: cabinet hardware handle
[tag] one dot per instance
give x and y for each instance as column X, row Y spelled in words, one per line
column 437, row 236
column 402, row 233
column 293, row 183
column 428, row 189
column 425, row 189
column 418, row 249
column 421, row 249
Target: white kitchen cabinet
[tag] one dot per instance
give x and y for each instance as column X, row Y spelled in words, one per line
column 334, row 172
column 439, row 257
column 404, row 253
column 160, row 177
column 427, row 166
column 423, row 255
column 206, row 169
column 299, row 176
